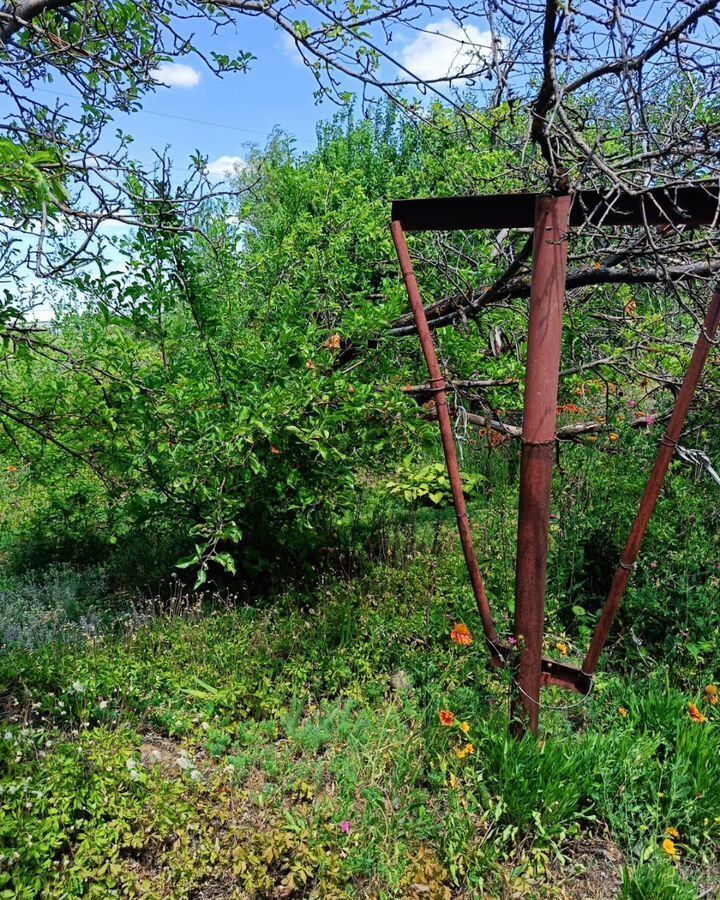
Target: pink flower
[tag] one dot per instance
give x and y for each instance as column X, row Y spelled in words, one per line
column 513, row 640
column 631, row 404
column 346, row 827
column 654, row 564
column 650, row 421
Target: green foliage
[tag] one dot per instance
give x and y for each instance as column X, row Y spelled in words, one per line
column 660, row 881
column 428, row 484
column 235, row 413
column 33, row 176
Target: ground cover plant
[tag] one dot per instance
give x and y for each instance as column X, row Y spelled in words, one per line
column 214, row 751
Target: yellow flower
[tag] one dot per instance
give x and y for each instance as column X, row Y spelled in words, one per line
column 562, row 648
column 673, row 832
column 696, row 715
column 623, row 712
column 613, row 436
column 711, row 695
column 464, row 727
column 669, row 847
column 465, row 751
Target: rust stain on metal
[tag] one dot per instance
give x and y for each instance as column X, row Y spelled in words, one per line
column 657, row 477
column 437, row 384
column 547, row 294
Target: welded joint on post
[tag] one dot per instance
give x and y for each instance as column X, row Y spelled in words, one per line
column 629, row 567
column 667, row 441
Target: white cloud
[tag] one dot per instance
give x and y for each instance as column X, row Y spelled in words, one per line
column 225, row 166
column 446, row 50
column 290, row 49
column 176, row 75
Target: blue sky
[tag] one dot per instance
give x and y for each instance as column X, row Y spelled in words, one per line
column 277, row 90
column 220, row 117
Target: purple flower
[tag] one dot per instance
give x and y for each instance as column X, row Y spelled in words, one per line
column 346, row 827
column 512, row 641
column 650, row 421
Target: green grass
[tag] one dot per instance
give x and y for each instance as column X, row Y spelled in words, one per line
column 222, row 751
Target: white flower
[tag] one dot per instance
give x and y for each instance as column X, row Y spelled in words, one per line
column 131, row 763
column 78, row 687
column 185, row 763
column 8, row 736
column 196, row 775
column 103, row 704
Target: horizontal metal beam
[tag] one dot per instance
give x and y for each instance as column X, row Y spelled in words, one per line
column 553, row 672
column 564, row 675
column 697, row 204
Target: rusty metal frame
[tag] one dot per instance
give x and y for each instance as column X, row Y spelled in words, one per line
column 551, row 218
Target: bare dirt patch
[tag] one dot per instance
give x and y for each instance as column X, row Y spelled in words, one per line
column 592, row 871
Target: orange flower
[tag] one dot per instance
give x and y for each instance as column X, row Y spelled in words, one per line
column 623, row 712
column 461, row 635
column 11, row 469
column 462, row 752
column 275, row 451
column 446, row 718
column 309, row 364
column 630, row 308
column 696, row 715
column 673, row 832
column 711, row 695
column 597, row 266
column 613, row 436
column 669, row 847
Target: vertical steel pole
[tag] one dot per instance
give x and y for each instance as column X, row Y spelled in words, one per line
column 437, row 383
column 666, row 452
column 547, row 293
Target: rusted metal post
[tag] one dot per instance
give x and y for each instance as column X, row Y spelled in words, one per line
column 666, row 452
column 547, row 293
column 437, row 384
